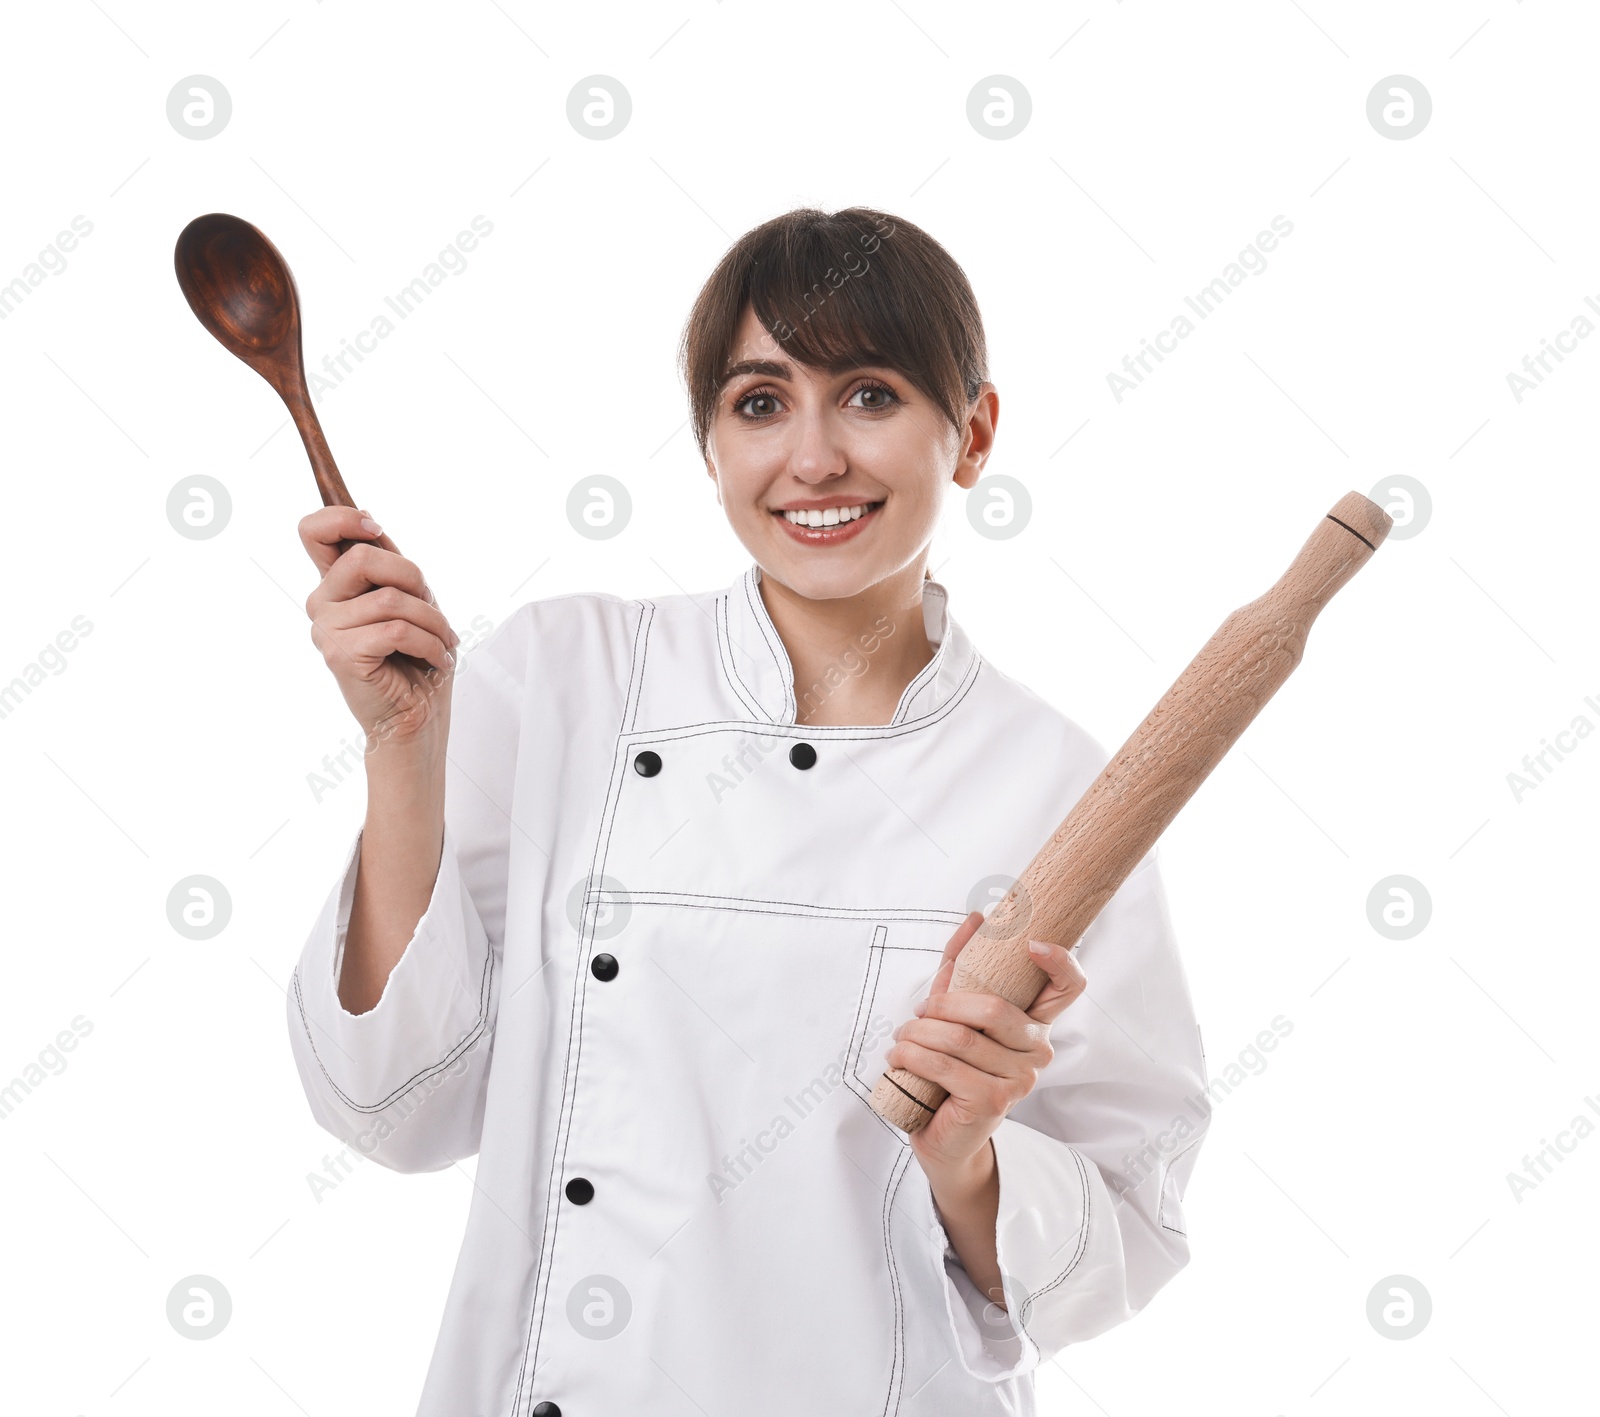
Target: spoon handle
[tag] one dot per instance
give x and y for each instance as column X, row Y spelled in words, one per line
column 323, row 468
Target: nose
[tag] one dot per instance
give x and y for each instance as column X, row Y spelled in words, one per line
column 815, row 453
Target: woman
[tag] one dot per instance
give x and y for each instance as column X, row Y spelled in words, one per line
column 643, row 925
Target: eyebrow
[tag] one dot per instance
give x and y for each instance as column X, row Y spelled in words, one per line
column 771, row 369
column 777, row 369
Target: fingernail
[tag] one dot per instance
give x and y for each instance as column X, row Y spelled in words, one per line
column 449, row 656
column 921, row 1007
column 367, row 524
column 1039, row 947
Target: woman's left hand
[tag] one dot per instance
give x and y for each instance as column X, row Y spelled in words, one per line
column 986, row 1053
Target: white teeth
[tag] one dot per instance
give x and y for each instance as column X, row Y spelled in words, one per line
column 832, row 516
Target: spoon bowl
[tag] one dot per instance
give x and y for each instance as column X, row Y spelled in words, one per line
column 240, row 288
column 237, row 284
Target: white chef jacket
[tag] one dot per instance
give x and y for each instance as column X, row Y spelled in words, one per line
column 655, row 1004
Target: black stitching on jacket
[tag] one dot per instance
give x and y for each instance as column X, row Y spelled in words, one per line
column 924, row 677
column 843, row 732
column 725, row 658
column 552, row 1211
column 748, row 904
column 897, row 1365
column 814, row 732
column 1083, row 1240
column 780, row 656
column 864, row 1007
column 636, row 691
column 455, row 1052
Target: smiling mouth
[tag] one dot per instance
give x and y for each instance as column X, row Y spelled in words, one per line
column 825, row 527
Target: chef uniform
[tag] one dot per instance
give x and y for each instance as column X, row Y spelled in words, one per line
column 671, row 934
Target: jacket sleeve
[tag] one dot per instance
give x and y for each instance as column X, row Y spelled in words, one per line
column 405, row 1082
column 1094, row 1162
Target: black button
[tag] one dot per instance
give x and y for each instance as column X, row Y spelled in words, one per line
column 547, row 1409
column 647, row 764
column 803, row 755
column 604, row 967
column 580, row 1191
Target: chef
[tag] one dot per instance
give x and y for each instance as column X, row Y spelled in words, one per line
column 704, row 863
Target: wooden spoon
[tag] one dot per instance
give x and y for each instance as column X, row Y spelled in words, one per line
column 240, row 289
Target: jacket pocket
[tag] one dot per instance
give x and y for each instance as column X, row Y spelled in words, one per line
column 901, row 962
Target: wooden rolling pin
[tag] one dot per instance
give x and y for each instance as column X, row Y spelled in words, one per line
column 1143, row 787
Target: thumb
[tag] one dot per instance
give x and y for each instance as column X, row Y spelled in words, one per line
column 1066, row 979
column 957, row 942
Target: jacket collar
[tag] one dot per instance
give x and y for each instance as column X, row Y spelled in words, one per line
column 758, row 666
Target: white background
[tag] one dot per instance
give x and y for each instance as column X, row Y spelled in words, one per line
column 178, row 737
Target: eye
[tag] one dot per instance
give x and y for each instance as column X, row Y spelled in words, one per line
column 758, row 396
column 881, row 396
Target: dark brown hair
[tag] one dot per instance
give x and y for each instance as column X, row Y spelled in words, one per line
column 854, row 287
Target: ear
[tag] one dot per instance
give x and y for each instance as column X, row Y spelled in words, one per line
column 977, row 436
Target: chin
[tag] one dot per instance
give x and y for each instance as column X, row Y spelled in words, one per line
column 826, row 575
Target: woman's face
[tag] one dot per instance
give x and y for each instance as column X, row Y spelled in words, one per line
column 865, row 447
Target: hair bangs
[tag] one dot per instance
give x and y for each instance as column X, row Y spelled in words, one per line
column 833, row 292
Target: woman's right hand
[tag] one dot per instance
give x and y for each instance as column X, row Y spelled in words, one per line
column 379, row 628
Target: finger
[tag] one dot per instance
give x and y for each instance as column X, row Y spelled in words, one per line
column 388, row 603
column 360, row 569
column 981, row 1011
column 1067, row 979
column 957, row 942
column 321, row 532
column 378, row 641
column 978, row 1092
column 980, row 1050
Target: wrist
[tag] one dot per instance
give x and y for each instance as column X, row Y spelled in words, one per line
column 417, row 724
column 403, row 772
column 963, row 1178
